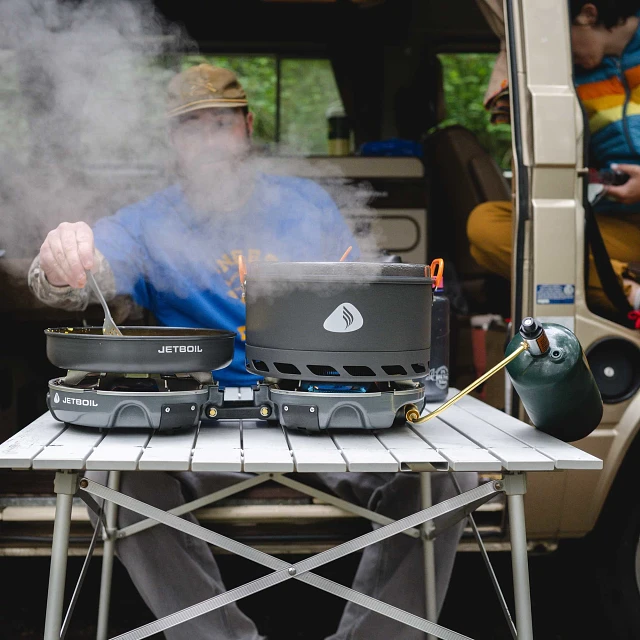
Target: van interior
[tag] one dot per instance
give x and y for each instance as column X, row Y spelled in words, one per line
column 383, row 62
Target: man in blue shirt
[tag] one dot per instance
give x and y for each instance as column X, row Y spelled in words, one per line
column 176, row 254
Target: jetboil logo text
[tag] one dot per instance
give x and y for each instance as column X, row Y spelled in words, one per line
column 344, row 319
column 173, row 348
column 76, row 401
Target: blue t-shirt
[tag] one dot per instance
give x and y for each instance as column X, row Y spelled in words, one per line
column 183, row 266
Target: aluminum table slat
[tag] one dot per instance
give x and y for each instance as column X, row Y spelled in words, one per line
column 566, row 456
column 71, row 449
column 401, row 438
column 218, row 448
column 411, row 451
column 265, row 448
column 461, row 453
column 364, row 452
column 118, row 452
column 168, row 451
column 514, row 454
column 311, row 453
column 19, row 451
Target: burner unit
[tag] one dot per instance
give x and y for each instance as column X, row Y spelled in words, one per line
column 153, row 401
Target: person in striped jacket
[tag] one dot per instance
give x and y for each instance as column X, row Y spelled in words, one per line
column 605, row 43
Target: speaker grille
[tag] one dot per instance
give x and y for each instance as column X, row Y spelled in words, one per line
column 615, row 364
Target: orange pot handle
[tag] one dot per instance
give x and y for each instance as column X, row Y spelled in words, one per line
column 242, row 270
column 437, row 272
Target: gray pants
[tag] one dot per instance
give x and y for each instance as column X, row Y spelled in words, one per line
column 172, row 570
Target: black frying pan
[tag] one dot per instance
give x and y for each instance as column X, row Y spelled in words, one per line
column 140, row 349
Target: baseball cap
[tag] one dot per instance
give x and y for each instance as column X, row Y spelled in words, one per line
column 204, row 87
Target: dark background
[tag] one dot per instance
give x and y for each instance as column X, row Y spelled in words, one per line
column 294, row 611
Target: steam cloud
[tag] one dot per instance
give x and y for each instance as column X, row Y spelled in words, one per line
column 82, row 98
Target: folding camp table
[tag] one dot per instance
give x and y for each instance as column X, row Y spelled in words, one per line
column 470, row 436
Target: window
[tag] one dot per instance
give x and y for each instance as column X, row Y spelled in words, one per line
column 115, row 118
column 465, row 77
column 307, row 89
column 289, row 97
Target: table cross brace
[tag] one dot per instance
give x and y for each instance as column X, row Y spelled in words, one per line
column 232, row 490
column 300, row 571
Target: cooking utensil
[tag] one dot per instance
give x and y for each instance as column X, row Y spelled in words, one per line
column 338, row 321
column 140, row 349
column 109, row 327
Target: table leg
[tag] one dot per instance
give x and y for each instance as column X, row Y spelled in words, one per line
column 65, row 487
column 108, row 550
column 428, row 554
column 515, row 487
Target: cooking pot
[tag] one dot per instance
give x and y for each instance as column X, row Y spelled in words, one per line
column 338, row 321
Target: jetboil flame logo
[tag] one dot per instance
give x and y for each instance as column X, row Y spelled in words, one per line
column 345, row 318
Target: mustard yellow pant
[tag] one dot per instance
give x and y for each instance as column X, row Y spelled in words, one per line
column 489, row 230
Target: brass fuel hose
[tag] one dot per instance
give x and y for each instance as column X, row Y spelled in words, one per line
column 413, row 415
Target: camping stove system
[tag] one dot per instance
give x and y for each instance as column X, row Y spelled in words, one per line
column 338, row 345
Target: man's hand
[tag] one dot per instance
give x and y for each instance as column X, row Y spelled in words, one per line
column 66, row 253
column 629, row 192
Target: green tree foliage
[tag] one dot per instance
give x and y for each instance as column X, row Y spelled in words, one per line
column 308, row 89
column 466, row 76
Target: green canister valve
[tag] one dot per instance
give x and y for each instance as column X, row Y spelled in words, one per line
column 534, row 335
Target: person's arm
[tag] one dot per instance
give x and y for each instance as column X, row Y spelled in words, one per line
column 57, row 276
column 68, row 297
column 112, row 250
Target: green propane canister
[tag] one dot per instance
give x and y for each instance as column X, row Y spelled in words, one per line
column 554, row 381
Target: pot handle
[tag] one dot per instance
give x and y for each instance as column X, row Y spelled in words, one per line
column 242, row 273
column 437, row 273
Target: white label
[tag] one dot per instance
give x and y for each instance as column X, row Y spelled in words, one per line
column 180, row 349
column 80, row 401
column 439, row 376
column 555, row 294
column 344, row 319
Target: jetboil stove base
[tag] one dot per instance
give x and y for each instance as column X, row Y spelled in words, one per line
column 148, row 401
column 180, row 401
